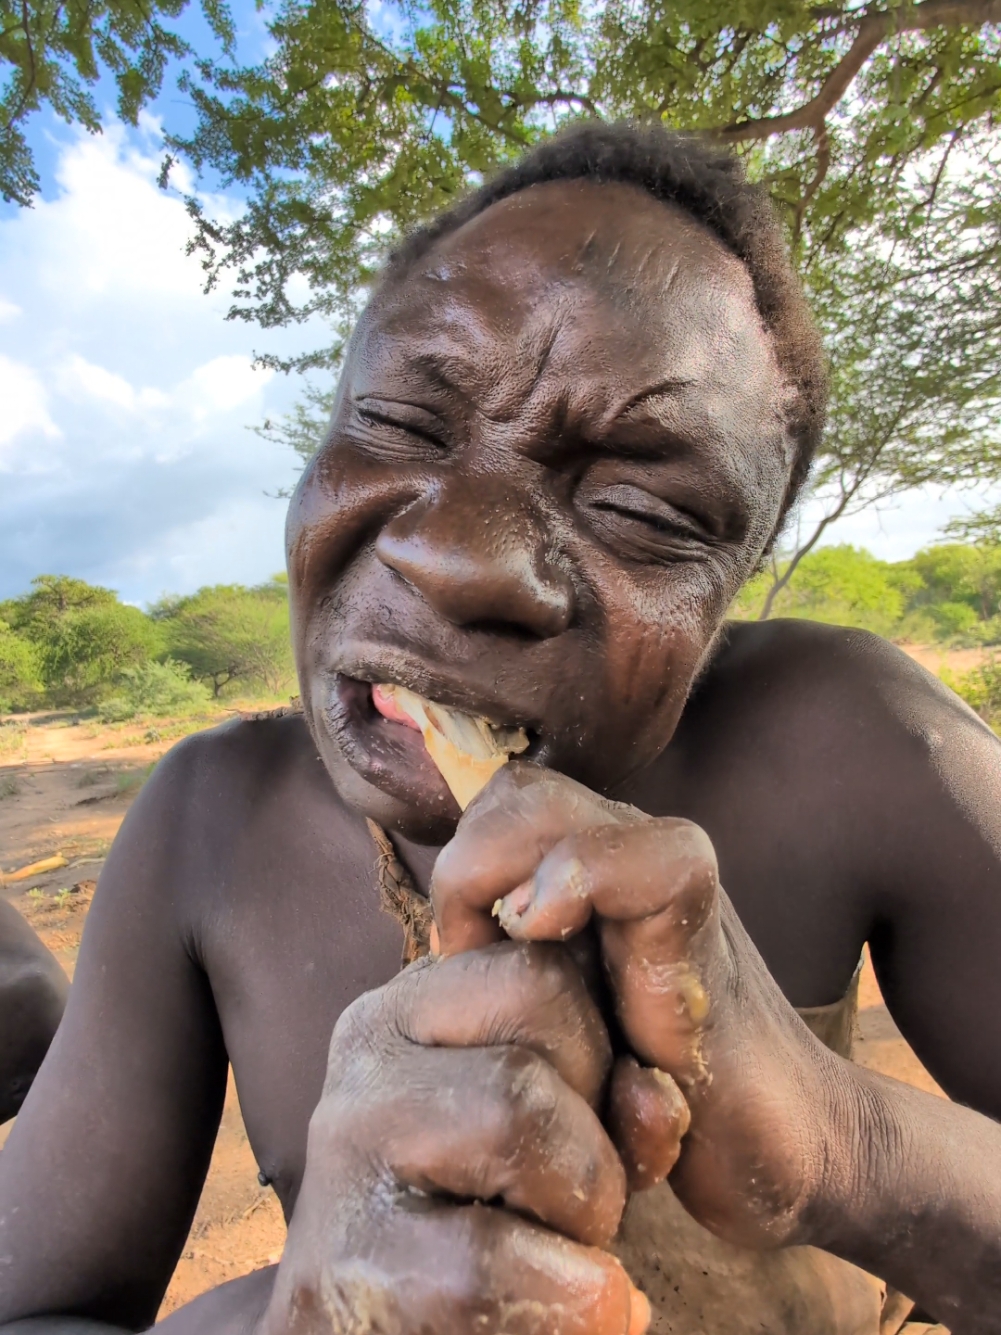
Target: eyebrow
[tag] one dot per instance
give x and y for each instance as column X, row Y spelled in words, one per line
column 442, row 372
column 661, row 389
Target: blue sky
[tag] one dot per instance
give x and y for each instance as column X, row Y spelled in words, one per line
column 125, row 453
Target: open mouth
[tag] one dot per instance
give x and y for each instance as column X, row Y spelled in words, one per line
column 413, row 747
column 467, row 748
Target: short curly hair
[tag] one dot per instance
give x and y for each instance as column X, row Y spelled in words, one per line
column 710, row 185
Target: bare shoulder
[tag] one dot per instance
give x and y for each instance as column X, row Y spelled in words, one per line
column 220, row 800
column 839, row 762
column 836, row 714
column 239, row 753
column 830, row 675
column 220, row 775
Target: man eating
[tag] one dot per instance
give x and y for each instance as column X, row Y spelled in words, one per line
column 571, row 421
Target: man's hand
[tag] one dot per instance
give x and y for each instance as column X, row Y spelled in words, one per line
column 457, row 1177
column 540, row 856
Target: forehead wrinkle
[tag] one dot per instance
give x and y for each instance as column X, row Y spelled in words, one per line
column 499, row 384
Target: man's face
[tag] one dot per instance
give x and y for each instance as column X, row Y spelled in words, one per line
column 556, row 453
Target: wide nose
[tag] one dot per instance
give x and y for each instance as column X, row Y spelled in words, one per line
column 478, row 553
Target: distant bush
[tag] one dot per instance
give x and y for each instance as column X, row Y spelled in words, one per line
column 67, row 643
column 20, row 677
column 231, row 636
column 949, row 594
column 843, row 586
column 154, row 688
column 82, row 637
column 981, row 688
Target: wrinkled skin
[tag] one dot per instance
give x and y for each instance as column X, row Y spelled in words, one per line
column 32, row 995
column 406, row 1120
column 557, row 451
column 691, row 993
column 567, row 479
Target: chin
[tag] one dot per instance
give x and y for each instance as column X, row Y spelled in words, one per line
column 426, row 814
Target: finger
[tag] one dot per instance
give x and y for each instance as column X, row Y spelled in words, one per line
column 507, row 831
column 532, row 996
column 474, row 1268
column 654, row 886
column 497, row 1123
column 647, row 1118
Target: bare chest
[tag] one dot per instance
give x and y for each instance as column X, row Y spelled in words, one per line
column 283, row 965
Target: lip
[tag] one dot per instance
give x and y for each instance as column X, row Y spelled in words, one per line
column 375, row 664
column 389, row 755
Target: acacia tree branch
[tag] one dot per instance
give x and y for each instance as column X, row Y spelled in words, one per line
column 779, row 582
column 407, row 70
column 29, row 86
column 872, row 31
column 823, row 146
column 849, row 492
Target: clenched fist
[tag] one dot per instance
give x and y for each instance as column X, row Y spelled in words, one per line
column 539, row 857
column 458, row 1177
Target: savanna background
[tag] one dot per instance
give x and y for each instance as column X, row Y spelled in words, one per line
column 193, row 200
column 95, row 690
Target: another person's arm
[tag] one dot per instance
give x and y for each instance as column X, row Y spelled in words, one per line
column 32, row 996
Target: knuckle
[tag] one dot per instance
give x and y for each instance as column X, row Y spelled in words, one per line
column 524, row 1102
column 447, row 879
column 692, row 843
column 354, row 1022
column 371, row 1025
column 555, row 976
column 696, row 870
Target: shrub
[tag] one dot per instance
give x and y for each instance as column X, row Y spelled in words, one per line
column 840, row 585
column 981, row 688
column 232, row 636
column 154, row 688
column 20, row 682
column 954, row 621
column 82, row 636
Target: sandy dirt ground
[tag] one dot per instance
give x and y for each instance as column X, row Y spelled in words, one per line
column 65, row 789
column 955, row 661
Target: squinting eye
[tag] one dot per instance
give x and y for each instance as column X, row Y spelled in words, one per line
column 396, row 427
column 635, row 503
column 640, row 524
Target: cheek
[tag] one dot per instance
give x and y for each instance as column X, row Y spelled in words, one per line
column 656, row 638
column 336, row 512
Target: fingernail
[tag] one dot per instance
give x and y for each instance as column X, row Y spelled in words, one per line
column 639, row 1311
column 514, row 905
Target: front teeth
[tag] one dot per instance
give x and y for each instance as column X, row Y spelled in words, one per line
column 467, row 749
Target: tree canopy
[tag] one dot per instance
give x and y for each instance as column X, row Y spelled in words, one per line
column 52, row 52
column 362, row 122
column 230, row 635
column 66, row 643
column 80, row 636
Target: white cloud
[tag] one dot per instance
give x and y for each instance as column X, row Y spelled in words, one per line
column 24, row 410
column 81, row 378
column 223, row 384
column 141, row 391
